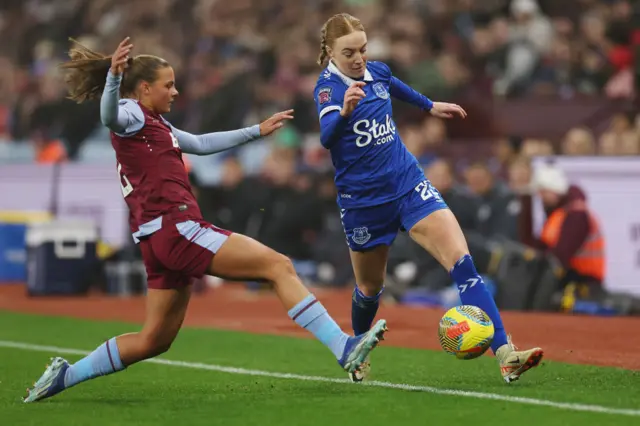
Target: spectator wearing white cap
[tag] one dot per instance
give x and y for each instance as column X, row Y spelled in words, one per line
column 571, row 232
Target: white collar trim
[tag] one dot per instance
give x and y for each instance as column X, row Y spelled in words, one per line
column 348, row 80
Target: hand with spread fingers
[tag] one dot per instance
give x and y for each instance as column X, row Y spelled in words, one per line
column 275, row 122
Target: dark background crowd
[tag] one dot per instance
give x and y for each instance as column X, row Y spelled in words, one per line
column 538, row 77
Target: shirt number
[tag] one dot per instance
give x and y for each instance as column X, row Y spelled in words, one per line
column 125, row 185
column 427, row 191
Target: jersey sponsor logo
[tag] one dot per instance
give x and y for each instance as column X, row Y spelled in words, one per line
column 324, row 95
column 380, row 91
column 370, row 130
column 361, row 235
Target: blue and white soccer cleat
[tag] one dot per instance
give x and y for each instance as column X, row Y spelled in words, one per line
column 358, row 348
column 50, row 383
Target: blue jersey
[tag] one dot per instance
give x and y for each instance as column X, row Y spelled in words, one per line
column 372, row 165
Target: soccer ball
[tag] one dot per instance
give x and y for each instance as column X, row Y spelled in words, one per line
column 465, row 332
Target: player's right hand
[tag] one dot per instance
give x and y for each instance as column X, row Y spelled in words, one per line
column 352, row 96
column 120, row 57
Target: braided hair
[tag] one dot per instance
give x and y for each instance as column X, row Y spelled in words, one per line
column 337, row 26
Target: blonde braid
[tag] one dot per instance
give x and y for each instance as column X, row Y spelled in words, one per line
column 323, row 46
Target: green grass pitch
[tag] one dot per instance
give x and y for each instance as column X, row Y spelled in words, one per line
column 434, row 388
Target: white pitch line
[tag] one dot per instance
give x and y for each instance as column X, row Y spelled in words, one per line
column 428, row 389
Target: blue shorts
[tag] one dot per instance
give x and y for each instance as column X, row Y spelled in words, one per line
column 369, row 227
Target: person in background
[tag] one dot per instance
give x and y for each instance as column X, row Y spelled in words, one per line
column 579, row 141
column 463, row 205
column 571, row 231
column 519, row 176
column 497, row 214
column 506, row 151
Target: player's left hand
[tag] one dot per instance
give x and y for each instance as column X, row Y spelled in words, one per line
column 274, row 122
column 445, row 110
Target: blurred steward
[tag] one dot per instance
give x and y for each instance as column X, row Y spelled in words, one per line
column 571, row 233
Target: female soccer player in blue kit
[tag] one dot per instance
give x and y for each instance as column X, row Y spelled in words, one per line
column 382, row 188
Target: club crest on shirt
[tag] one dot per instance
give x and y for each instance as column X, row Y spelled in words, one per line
column 380, row 91
column 324, row 95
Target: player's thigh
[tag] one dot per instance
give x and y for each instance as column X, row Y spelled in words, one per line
column 168, row 294
column 370, row 268
column 244, row 258
column 370, row 232
column 187, row 247
column 433, row 226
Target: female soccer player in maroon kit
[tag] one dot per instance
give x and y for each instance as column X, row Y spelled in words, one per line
column 176, row 243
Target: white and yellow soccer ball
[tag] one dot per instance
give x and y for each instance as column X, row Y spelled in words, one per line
column 465, row 331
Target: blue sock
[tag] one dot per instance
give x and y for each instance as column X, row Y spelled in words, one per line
column 311, row 315
column 363, row 310
column 102, row 361
column 474, row 292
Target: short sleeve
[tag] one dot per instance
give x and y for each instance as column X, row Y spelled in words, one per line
column 134, row 122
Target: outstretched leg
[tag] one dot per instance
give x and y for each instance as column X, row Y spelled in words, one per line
column 165, row 313
column 246, row 258
column 440, row 234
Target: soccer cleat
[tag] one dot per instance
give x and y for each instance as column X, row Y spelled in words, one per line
column 362, row 373
column 513, row 362
column 50, row 383
column 359, row 347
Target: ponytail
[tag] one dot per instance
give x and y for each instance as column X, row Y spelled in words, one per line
column 87, row 73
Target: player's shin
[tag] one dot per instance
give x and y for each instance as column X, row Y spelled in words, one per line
column 102, row 361
column 363, row 310
column 309, row 314
column 474, row 292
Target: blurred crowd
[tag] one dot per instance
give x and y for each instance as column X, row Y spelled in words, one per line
column 236, row 61
column 239, row 61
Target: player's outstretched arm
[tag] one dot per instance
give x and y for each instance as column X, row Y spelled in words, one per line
column 213, row 143
column 402, row 91
column 119, row 118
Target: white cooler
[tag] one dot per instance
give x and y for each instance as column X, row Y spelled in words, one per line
column 61, row 257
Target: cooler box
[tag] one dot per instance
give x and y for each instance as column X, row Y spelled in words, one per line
column 13, row 253
column 61, row 257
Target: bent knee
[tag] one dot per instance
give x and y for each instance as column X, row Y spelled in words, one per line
column 154, row 345
column 279, row 266
column 370, row 287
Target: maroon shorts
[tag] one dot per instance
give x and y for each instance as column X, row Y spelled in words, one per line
column 179, row 251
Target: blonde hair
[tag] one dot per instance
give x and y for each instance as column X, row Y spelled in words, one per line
column 337, row 26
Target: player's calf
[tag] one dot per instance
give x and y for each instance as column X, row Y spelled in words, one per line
column 144, row 345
